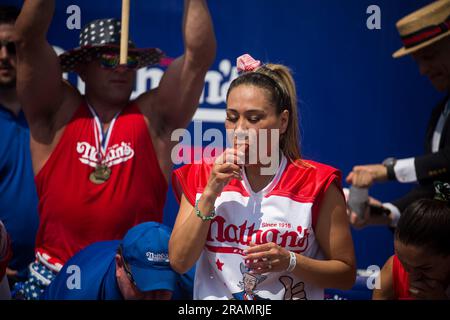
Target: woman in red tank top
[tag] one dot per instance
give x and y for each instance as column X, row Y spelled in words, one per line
column 420, row 268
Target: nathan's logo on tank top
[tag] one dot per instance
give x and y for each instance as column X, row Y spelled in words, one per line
column 230, row 234
column 116, row 154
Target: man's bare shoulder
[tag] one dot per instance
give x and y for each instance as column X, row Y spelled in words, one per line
column 71, row 101
column 146, row 102
column 49, row 124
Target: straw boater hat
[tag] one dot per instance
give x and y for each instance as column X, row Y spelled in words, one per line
column 424, row 27
column 103, row 34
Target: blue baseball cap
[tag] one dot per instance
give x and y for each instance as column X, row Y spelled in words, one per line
column 145, row 248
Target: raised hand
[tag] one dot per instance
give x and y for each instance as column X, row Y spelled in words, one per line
column 365, row 176
column 226, row 167
column 368, row 218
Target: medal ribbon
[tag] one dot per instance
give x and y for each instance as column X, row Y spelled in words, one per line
column 102, row 139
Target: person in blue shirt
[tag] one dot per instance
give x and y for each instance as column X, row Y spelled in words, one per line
column 18, row 197
column 135, row 268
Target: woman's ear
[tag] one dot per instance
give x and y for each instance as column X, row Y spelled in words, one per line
column 284, row 118
column 119, row 262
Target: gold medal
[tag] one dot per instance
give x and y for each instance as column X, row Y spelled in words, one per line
column 100, row 175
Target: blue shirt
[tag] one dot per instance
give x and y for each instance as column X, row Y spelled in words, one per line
column 18, row 197
column 97, row 269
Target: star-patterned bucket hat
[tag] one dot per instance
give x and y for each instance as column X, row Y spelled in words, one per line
column 104, row 34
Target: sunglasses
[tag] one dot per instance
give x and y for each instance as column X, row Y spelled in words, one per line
column 9, row 45
column 109, row 60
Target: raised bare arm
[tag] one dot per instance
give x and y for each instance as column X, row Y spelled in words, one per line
column 173, row 104
column 40, row 86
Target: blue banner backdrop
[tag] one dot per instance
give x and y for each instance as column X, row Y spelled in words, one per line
column 357, row 104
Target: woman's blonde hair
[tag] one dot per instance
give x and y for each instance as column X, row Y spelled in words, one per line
column 279, row 83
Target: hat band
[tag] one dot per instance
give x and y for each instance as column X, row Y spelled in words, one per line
column 425, row 34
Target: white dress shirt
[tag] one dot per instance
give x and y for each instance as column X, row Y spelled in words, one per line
column 405, row 169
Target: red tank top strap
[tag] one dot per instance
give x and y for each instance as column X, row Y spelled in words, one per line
column 400, row 280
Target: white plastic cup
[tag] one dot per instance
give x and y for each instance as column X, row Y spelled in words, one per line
column 358, row 200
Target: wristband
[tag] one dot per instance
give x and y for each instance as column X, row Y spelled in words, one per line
column 292, row 262
column 199, row 214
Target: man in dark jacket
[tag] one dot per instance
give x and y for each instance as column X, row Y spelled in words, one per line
column 426, row 36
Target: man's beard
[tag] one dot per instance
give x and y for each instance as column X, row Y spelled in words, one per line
column 8, row 81
column 7, row 84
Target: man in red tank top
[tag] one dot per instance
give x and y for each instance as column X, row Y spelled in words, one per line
column 101, row 161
